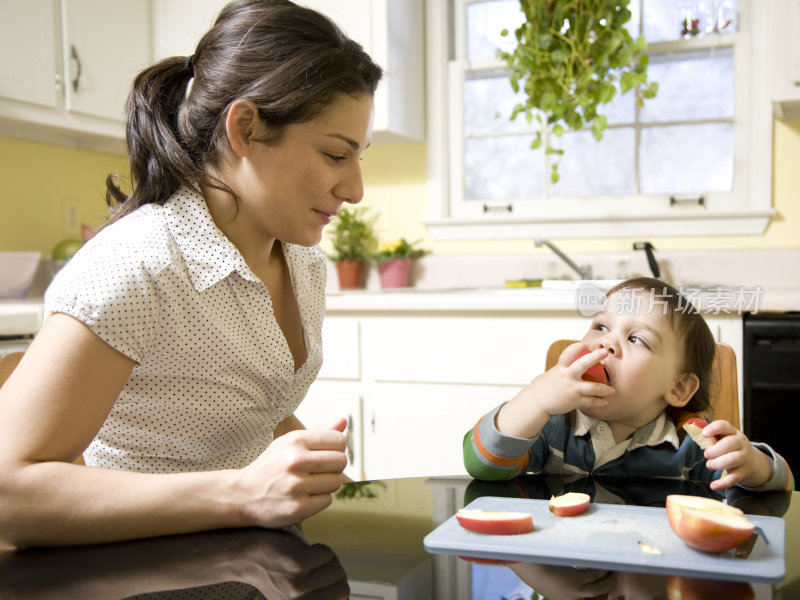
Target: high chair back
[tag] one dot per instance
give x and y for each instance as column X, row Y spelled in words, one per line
column 724, row 389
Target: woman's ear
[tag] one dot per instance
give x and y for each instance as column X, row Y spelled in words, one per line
column 241, row 125
column 683, row 390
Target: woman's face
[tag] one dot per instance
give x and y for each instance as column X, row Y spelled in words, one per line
column 645, row 356
column 290, row 190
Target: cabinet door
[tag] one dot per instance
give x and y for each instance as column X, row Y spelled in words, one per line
column 106, row 43
column 414, row 430
column 28, row 37
column 327, row 401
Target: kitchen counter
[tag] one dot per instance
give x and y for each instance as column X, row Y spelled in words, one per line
column 719, row 300
column 370, row 540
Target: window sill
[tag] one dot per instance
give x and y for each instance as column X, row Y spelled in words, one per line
column 639, row 225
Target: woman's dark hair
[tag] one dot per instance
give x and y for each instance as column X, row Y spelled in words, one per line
column 690, row 327
column 290, row 61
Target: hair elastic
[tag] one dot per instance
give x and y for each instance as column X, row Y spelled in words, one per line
column 188, row 65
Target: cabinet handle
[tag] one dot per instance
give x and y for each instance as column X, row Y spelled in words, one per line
column 77, row 59
column 350, row 439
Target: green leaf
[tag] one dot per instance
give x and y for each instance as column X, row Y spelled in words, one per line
column 599, row 125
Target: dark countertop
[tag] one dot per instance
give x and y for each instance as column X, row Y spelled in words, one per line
column 370, row 541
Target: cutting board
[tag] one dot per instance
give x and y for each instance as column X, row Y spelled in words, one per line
column 607, row 536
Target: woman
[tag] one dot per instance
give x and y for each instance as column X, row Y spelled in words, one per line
column 181, row 338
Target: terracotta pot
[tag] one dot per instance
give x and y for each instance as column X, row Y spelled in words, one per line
column 350, row 274
column 394, row 272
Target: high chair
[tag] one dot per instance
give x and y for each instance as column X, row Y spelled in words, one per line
column 7, row 364
column 724, row 389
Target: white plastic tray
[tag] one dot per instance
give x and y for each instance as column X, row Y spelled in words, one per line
column 607, row 536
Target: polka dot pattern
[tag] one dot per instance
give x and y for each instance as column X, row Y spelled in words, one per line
column 214, row 373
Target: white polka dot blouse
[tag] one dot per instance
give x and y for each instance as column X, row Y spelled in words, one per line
column 214, row 373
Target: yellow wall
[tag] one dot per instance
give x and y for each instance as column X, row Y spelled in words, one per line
column 40, row 182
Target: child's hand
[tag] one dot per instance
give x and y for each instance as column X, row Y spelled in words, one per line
column 555, row 392
column 734, row 454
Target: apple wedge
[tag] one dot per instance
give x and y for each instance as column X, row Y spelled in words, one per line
column 694, row 428
column 707, row 524
column 594, row 373
column 691, row 588
column 569, row 504
column 495, row 523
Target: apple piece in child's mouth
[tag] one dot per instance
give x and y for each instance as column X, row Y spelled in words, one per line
column 569, row 504
column 694, row 428
column 594, row 373
column 495, row 523
column 707, row 524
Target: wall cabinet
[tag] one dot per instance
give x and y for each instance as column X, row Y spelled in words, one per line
column 71, row 67
column 415, row 382
column 390, row 31
column 783, row 63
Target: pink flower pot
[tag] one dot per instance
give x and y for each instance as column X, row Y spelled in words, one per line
column 394, row 272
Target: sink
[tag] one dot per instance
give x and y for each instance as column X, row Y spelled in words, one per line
column 574, row 284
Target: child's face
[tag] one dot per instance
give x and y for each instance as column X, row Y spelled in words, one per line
column 645, row 357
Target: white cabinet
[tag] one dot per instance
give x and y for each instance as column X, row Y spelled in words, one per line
column 68, row 68
column 783, row 64
column 391, row 31
column 413, row 382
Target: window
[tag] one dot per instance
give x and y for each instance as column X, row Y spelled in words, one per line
column 695, row 160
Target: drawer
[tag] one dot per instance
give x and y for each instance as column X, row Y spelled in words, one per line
column 476, row 350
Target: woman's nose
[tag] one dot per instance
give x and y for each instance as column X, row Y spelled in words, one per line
column 351, row 187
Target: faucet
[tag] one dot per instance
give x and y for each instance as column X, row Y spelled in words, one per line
column 585, row 271
column 651, row 259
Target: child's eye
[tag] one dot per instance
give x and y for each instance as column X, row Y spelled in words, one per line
column 635, row 339
column 597, row 326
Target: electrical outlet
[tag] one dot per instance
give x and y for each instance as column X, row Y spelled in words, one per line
column 70, row 224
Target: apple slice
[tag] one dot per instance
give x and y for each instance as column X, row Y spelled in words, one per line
column 594, row 373
column 495, row 523
column 694, row 428
column 707, row 524
column 569, row 504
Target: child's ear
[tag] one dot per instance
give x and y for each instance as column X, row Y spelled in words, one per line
column 240, row 126
column 683, row 390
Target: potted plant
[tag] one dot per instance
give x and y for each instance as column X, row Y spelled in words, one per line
column 571, row 57
column 353, row 240
column 394, row 261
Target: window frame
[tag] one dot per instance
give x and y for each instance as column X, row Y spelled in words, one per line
column 746, row 210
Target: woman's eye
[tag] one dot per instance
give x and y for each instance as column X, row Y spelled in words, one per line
column 336, row 157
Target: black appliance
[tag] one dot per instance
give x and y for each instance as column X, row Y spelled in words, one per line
column 771, row 384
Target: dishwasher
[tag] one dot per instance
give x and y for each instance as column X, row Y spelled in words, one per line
column 771, row 383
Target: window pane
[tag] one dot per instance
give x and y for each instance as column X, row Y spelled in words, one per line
column 691, row 85
column 687, row 159
column 503, row 168
column 485, row 21
column 666, row 20
column 488, row 103
column 592, row 168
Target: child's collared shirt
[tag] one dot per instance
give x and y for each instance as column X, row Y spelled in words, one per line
column 577, row 445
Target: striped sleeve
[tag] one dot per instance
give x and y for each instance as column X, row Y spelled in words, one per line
column 492, row 456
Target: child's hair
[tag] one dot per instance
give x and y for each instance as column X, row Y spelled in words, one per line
column 691, row 329
column 290, row 61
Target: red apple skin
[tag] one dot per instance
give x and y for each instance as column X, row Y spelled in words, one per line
column 594, row 373
column 697, row 522
column 694, row 428
column 570, row 504
column 691, row 588
column 510, row 523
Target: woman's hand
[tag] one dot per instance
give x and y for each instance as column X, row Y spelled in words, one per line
column 295, row 477
column 733, row 453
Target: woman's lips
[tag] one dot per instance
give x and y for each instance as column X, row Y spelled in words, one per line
column 324, row 216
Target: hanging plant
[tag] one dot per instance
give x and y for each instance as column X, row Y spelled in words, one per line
column 571, row 57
